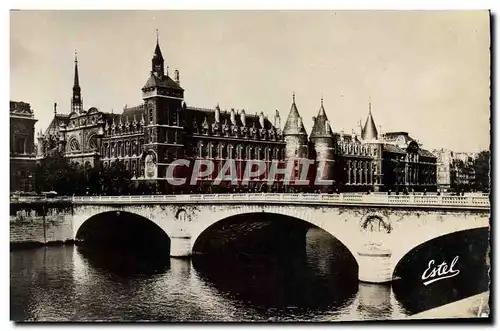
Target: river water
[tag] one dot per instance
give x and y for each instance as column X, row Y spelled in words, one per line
column 70, row 283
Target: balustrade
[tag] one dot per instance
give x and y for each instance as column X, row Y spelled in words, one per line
column 348, row 198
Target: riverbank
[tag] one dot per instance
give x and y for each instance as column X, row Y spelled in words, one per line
column 476, row 306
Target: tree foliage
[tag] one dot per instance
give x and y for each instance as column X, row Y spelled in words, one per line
column 482, row 171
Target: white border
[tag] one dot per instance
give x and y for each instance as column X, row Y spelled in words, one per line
column 193, row 4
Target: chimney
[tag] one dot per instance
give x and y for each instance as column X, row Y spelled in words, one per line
column 261, row 119
column 277, row 119
column 176, row 76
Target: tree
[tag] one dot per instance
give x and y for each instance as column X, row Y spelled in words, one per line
column 482, row 170
column 52, row 174
column 116, row 179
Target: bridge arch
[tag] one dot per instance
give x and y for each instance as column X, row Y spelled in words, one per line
column 342, row 231
column 421, row 233
column 123, row 228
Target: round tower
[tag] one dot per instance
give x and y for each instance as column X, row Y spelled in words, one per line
column 296, row 140
column 369, row 136
column 295, row 135
column 323, row 143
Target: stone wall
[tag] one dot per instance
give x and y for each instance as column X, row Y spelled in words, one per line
column 40, row 223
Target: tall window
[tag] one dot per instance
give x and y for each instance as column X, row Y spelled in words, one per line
column 151, row 115
column 20, row 145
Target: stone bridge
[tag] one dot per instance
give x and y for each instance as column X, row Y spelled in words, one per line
column 378, row 230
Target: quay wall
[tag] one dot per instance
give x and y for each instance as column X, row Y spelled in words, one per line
column 40, row 223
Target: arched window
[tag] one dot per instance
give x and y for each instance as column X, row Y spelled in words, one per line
column 92, row 144
column 74, row 145
column 220, row 151
column 133, row 167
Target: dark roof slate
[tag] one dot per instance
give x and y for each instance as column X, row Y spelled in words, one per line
column 165, row 81
column 321, row 126
column 293, row 124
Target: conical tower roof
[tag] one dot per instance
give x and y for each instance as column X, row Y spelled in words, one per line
column 320, row 127
column 369, row 131
column 294, row 125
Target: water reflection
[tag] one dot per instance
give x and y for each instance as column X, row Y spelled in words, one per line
column 125, row 261
column 69, row 283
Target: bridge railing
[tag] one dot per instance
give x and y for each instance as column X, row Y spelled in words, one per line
column 368, row 199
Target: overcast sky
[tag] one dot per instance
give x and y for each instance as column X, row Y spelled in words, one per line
column 426, row 72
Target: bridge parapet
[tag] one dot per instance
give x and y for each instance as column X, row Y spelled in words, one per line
column 424, row 201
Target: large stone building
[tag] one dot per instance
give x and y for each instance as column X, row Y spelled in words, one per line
column 163, row 128
column 456, row 170
column 22, row 153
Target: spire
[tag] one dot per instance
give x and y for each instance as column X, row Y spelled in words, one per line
column 157, row 62
column 76, row 100
column 293, row 124
column 369, row 131
column 321, row 126
column 77, row 81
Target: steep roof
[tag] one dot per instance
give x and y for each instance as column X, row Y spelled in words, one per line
column 321, row 126
column 53, row 128
column 200, row 115
column 293, row 124
column 130, row 112
column 165, row 81
column 369, row 131
column 426, row 153
column 393, row 149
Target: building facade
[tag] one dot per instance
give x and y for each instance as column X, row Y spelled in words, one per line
column 22, row 152
column 164, row 128
column 456, row 170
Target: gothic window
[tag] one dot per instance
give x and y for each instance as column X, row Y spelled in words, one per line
column 355, row 172
column 230, row 151
column 74, row 145
column 266, row 152
column 209, row 150
column 360, row 171
column 150, row 115
column 200, row 150
column 239, row 150
column 248, row 153
column 141, row 146
column 349, row 171
column 92, row 143
column 243, row 152
column 133, row 168
column 219, row 153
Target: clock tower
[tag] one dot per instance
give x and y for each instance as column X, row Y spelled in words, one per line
column 163, row 100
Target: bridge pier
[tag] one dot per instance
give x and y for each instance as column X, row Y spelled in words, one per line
column 375, row 266
column 180, row 246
